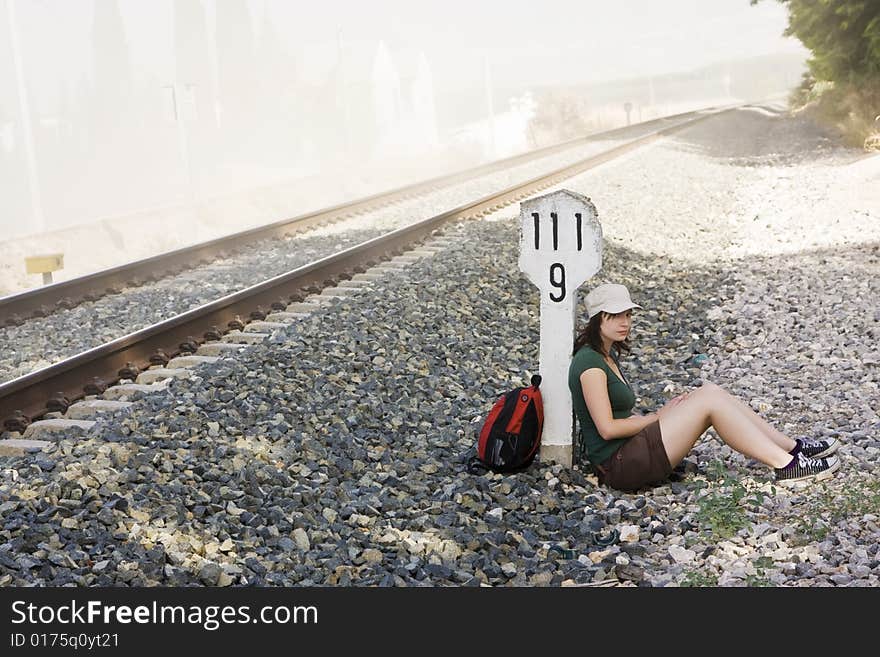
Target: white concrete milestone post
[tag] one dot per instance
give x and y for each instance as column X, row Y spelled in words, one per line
column 560, row 247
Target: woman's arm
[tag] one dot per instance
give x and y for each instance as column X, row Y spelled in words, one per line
column 594, row 384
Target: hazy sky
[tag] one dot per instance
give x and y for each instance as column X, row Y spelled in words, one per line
column 567, row 41
column 529, row 42
column 319, row 119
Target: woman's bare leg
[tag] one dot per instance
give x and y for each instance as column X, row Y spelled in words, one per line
column 681, row 425
column 775, row 435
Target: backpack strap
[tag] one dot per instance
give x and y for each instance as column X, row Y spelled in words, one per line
column 476, row 466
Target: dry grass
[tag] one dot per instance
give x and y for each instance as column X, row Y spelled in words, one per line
column 852, row 108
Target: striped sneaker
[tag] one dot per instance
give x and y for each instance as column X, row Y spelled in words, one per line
column 802, row 467
column 817, row 448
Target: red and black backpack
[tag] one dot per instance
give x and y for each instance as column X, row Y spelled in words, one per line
column 511, row 435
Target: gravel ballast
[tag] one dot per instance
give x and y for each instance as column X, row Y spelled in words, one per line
column 333, row 453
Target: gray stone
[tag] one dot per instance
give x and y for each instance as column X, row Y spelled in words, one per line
column 210, row 574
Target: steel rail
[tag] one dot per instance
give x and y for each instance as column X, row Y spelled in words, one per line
column 38, row 302
column 29, row 394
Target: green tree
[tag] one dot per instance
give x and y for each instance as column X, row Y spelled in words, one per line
column 843, row 35
column 844, row 69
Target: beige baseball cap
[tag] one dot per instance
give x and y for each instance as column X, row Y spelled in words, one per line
column 611, row 298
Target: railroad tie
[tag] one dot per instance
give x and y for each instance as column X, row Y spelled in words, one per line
column 302, row 308
column 244, row 338
column 49, row 429
column 90, row 408
column 190, row 360
column 405, row 259
column 162, row 373
column 284, row 317
column 352, row 284
column 134, row 390
column 219, row 349
column 20, row 446
column 263, row 327
column 338, row 292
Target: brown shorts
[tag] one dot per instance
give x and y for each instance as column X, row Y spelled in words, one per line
column 640, row 462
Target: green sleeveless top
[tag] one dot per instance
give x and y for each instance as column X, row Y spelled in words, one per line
column 620, row 394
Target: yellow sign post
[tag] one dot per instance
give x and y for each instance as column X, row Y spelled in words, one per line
column 45, row 265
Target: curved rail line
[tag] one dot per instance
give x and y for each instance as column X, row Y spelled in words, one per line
column 26, row 398
column 40, row 302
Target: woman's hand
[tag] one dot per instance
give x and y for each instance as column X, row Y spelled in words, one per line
column 675, row 401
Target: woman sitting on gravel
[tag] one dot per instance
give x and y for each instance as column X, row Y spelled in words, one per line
column 630, row 451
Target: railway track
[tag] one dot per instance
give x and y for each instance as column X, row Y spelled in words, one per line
column 42, row 301
column 53, row 389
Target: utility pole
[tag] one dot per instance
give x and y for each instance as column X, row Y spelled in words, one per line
column 182, row 108
column 24, row 108
column 489, row 106
column 342, row 92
